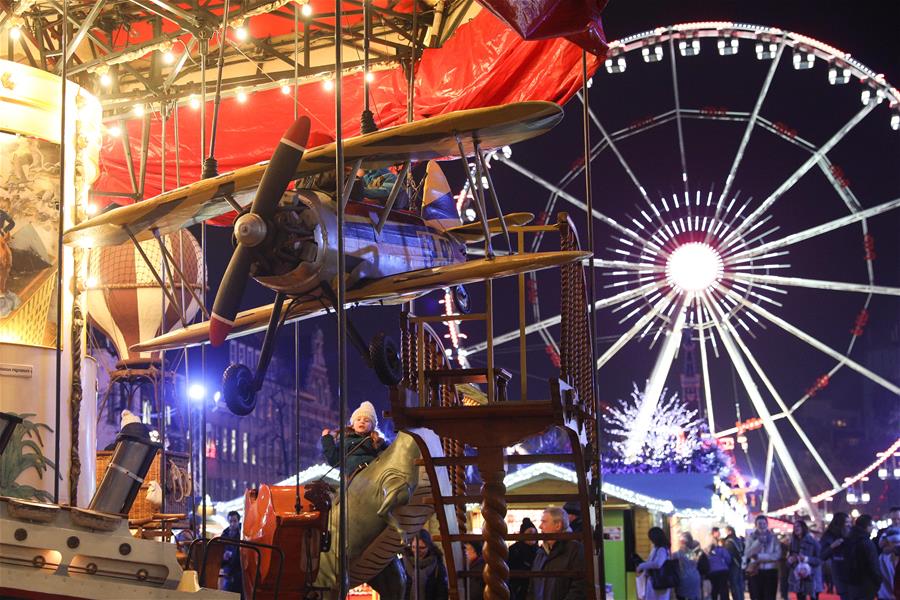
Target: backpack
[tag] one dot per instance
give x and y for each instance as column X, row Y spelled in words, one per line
column 667, row 576
column 703, row 564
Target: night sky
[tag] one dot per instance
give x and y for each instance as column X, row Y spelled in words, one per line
column 869, row 158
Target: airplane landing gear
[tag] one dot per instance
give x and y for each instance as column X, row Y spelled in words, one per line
column 238, row 389
column 461, row 299
column 239, row 383
column 385, row 359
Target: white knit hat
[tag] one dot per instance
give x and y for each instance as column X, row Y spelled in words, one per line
column 128, row 417
column 365, row 409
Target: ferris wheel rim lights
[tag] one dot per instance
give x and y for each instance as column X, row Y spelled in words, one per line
column 728, row 34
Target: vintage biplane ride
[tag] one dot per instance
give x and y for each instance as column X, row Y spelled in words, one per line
column 286, row 239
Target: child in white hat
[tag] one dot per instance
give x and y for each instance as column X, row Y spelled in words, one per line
column 362, row 440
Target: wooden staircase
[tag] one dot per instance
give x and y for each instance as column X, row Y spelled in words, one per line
column 479, row 434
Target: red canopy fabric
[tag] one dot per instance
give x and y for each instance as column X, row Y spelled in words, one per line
column 483, row 64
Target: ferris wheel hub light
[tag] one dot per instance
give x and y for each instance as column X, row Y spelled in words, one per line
column 694, row 267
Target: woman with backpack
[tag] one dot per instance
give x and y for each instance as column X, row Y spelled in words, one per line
column 652, row 568
column 804, row 564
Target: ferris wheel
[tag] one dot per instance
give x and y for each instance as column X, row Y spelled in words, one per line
column 717, row 264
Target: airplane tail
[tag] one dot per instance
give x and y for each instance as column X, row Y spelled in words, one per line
column 438, row 204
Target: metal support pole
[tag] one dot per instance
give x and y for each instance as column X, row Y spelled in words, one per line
column 340, row 310
column 59, row 246
column 592, row 319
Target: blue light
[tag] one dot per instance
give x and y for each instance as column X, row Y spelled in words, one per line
column 196, row 392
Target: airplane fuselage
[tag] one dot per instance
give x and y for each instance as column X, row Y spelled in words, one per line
column 309, row 257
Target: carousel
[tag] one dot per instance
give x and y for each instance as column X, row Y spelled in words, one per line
column 348, row 150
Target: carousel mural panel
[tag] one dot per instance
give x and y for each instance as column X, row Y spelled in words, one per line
column 29, row 227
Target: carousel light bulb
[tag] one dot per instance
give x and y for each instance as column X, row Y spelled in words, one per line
column 240, row 32
column 306, row 10
column 168, row 57
column 106, row 80
column 91, row 282
column 370, row 77
column 285, row 89
column 15, row 33
column 194, row 102
column 241, row 96
column 139, row 110
column 91, row 209
column 328, row 85
column 114, row 131
column 694, row 267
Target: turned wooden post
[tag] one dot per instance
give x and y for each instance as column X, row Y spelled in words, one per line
column 493, row 510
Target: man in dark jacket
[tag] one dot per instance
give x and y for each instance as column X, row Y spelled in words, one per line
column 861, row 557
column 735, row 547
column 557, row 555
column 231, row 559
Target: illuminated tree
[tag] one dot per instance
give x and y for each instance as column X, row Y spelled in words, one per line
column 675, row 439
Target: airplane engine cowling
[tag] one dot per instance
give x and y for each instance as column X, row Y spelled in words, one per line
column 295, row 255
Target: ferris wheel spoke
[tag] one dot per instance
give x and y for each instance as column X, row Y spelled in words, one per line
column 784, row 408
column 645, row 319
column 657, row 380
column 767, row 478
column 684, row 175
column 725, row 329
column 707, row 387
column 821, row 284
column 817, row 230
column 751, row 123
column 615, row 149
column 575, row 201
column 839, row 186
column 802, row 335
column 624, row 264
column 806, row 166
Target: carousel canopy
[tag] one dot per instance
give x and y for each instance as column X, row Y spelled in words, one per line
column 146, row 60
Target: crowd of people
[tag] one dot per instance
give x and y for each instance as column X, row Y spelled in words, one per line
column 845, row 559
column 849, row 559
column 425, row 570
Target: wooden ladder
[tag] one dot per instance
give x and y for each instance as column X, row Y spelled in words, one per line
column 490, row 429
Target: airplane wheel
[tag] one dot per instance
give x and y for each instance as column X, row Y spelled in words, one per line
column 461, row 300
column 237, row 389
column 386, row 359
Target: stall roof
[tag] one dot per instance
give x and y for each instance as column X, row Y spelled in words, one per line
column 664, row 492
column 686, row 491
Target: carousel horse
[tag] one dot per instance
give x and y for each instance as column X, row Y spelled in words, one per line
column 388, row 503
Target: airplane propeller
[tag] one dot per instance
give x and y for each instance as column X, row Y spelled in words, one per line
column 254, row 229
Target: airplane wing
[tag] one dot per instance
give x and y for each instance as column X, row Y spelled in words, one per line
column 472, row 233
column 428, row 139
column 410, row 283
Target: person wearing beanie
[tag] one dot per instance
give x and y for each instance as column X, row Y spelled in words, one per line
column 573, row 509
column 521, row 558
column 362, row 440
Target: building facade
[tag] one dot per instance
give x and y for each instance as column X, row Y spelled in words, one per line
column 242, row 452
